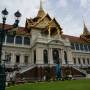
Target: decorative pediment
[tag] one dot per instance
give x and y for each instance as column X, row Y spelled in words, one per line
column 43, row 22
column 54, row 23
column 56, row 42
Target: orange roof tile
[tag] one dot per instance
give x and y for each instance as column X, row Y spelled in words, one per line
column 74, row 39
column 20, row 30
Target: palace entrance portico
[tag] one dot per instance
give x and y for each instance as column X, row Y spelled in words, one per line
column 57, row 61
column 56, row 53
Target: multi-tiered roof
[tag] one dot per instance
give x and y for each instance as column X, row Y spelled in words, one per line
column 50, row 26
column 44, row 22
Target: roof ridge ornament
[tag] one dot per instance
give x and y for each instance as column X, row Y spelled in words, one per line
column 86, row 32
column 41, row 11
column 85, row 29
column 41, row 6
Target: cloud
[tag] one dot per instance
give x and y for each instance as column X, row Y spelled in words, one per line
column 62, row 3
column 44, row 0
column 28, row 8
column 66, row 10
column 84, row 3
column 71, row 25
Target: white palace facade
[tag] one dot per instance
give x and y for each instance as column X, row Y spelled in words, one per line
column 41, row 44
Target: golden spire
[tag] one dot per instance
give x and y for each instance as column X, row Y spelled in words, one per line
column 85, row 30
column 41, row 6
column 41, row 12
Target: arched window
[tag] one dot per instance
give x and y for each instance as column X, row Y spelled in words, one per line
column 89, row 47
column 77, row 46
column 65, row 57
column 55, row 56
column 10, row 39
column 8, row 57
column 79, row 61
column 88, row 61
column 83, row 60
column 26, row 41
column 18, row 40
column 74, row 60
column 81, row 47
column 86, row 47
column 72, row 46
column 17, row 59
column 45, row 56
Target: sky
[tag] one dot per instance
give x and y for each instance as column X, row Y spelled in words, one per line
column 70, row 14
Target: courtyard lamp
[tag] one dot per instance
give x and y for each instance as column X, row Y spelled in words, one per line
column 17, row 16
column 4, row 32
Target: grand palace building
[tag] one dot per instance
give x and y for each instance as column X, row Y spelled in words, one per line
column 40, row 46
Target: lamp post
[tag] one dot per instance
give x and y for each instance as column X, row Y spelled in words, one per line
column 3, row 32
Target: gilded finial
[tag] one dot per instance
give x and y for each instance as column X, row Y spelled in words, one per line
column 41, row 6
column 85, row 30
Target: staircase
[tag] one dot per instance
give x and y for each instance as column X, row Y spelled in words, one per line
column 80, row 70
column 88, row 76
column 26, row 68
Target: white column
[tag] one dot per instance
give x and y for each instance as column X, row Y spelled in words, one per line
column 32, row 57
column 3, row 55
column 50, row 57
column 13, row 58
column 22, row 41
column 81, row 60
column 77, row 63
column 39, row 56
column 62, row 56
column 22, row 59
column 86, row 63
column 69, row 56
column 29, row 59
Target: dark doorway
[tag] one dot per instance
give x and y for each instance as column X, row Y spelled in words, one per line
column 34, row 56
column 55, row 53
column 65, row 57
column 17, row 59
column 45, row 56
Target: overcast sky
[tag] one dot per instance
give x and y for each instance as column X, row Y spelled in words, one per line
column 69, row 13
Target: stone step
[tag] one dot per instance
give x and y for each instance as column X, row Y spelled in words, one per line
column 88, row 76
column 80, row 70
column 24, row 69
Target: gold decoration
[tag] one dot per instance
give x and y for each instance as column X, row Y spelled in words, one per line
column 58, row 30
column 49, row 28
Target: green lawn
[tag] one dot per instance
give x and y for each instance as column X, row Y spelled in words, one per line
column 57, row 85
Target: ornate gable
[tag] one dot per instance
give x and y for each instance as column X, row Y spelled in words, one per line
column 54, row 23
column 44, row 22
column 58, row 42
column 86, row 34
